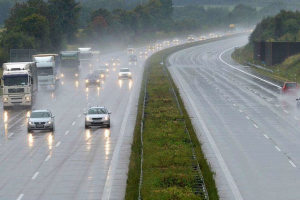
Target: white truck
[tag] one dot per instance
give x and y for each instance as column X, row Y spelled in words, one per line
column 46, row 69
column 85, row 54
column 19, row 82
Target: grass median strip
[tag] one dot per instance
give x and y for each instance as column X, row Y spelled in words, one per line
column 167, row 149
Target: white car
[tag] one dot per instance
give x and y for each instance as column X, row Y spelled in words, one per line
column 125, row 73
column 40, row 120
column 97, row 116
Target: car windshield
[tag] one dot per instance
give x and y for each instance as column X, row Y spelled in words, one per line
column 291, row 85
column 11, row 80
column 40, row 115
column 93, row 111
column 124, row 70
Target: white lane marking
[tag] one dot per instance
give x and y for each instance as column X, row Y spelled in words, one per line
column 266, row 136
column 296, row 118
column 47, row 158
column 229, row 65
column 232, row 184
column 255, row 125
column 287, row 112
column 278, row 149
column 73, row 123
column 20, row 197
column 248, row 117
column 57, row 144
column 79, row 115
column 277, row 105
column 67, row 132
column 115, row 158
column 240, row 111
column 10, row 135
column 35, row 175
column 234, row 104
column 292, row 163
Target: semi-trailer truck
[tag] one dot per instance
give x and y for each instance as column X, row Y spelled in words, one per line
column 19, row 83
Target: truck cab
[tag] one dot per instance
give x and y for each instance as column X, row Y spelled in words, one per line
column 19, row 83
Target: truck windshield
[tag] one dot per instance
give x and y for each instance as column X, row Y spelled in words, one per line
column 45, row 71
column 11, row 80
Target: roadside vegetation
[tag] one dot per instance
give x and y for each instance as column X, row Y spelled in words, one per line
column 167, row 160
column 283, row 27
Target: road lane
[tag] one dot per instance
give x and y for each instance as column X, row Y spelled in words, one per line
column 244, row 118
column 72, row 163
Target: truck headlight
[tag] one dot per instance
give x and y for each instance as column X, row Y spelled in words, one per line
column 98, row 81
column 5, row 99
column 27, row 98
column 87, row 81
column 102, row 75
column 76, row 75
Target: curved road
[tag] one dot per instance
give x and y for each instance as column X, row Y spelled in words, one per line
column 250, row 133
column 72, row 163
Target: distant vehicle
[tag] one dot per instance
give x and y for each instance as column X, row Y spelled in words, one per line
column 19, row 83
column 166, row 43
column 132, row 59
column 298, row 102
column 175, row 41
column 46, row 69
column 69, row 58
column 41, row 120
column 191, row 38
column 85, row 54
column 202, row 38
column 290, row 88
column 130, row 51
column 151, row 48
column 101, row 73
column 97, row 116
column 125, row 73
column 143, row 54
column 115, row 62
column 92, row 79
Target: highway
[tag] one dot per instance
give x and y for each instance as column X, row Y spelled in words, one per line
column 72, row 163
column 250, row 133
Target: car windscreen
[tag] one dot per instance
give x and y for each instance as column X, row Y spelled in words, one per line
column 11, row 80
column 97, row 111
column 40, row 115
column 290, row 85
column 124, row 70
column 44, row 71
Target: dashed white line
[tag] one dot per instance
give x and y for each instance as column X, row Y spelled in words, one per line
column 278, row 149
column 234, row 104
column 79, row 115
column 73, row 123
column 255, row 125
column 292, row 163
column 47, row 158
column 248, row 117
column 240, row 111
column 35, row 175
column 296, row 118
column 266, row 136
column 277, row 105
column 67, row 132
column 10, row 135
column 286, row 111
column 20, row 197
column 57, row 144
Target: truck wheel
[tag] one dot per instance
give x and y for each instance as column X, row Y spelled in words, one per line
column 86, row 126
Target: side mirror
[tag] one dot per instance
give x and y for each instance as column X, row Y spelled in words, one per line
column 84, row 113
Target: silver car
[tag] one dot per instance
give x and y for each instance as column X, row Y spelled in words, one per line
column 125, row 73
column 41, row 120
column 97, row 116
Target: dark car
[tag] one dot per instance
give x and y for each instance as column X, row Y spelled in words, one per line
column 92, row 79
column 133, row 59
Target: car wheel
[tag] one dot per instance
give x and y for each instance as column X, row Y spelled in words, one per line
column 86, row 126
column 29, row 130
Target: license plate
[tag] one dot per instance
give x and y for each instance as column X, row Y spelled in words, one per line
column 40, row 126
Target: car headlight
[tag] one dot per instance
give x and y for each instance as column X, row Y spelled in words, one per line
column 49, row 122
column 76, row 75
column 129, row 73
column 102, row 75
column 31, row 123
column 98, row 81
column 106, row 118
column 87, row 81
column 87, row 118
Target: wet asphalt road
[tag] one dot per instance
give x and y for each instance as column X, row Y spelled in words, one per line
column 71, row 163
column 249, row 131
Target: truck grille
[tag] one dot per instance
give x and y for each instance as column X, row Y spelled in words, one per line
column 16, row 90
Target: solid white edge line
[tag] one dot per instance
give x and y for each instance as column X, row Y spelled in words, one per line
column 278, row 149
column 20, row 197
column 292, row 163
column 115, row 156
column 11, row 135
column 266, row 136
column 232, row 184
column 35, row 175
column 229, row 65
column 255, row 125
column 248, row 117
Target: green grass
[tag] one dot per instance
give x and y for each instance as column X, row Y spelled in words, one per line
column 167, row 166
column 289, row 70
